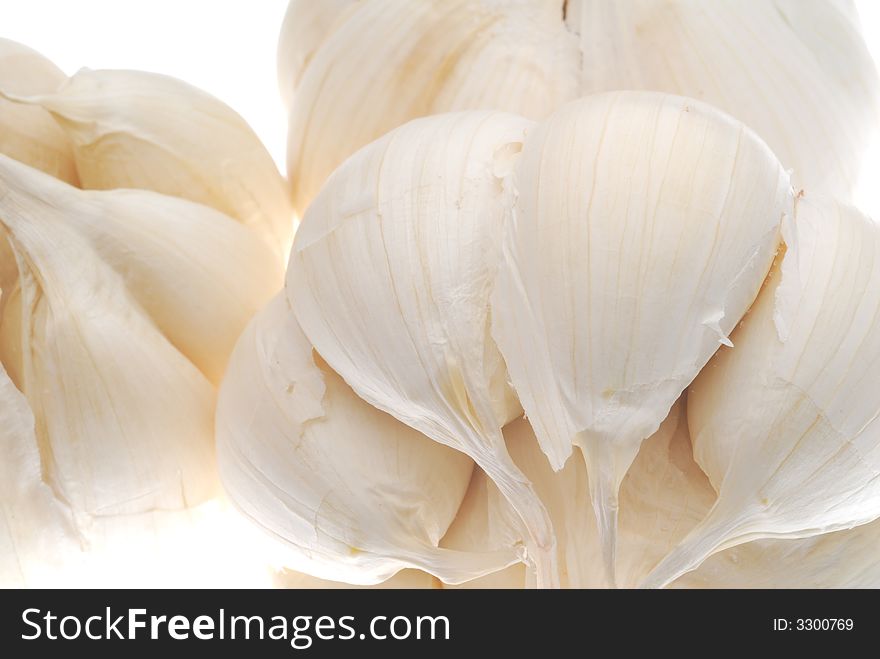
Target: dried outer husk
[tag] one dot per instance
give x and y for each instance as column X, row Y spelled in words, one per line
column 134, row 129
column 352, row 494
column 787, row 424
column 642, row 228
column 27, row 133
column 796, row 71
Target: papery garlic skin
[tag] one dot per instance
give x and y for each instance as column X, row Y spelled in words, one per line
column 30, row 134
column 352, row 494
column 390, row 277
column 388, row 61
column 134, row 129
column 787, row 424
column 796, row 71
column 93, row 332
column 643, row 227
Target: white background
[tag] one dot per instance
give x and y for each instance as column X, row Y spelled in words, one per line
column 226, row 47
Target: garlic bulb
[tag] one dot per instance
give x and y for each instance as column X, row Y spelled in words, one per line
column 796, row 71
column 127, row 132
column 390, row 278
column 787, row 424
column 27, row 133
column 353, row 494
column 643, row 227
column 106, row 344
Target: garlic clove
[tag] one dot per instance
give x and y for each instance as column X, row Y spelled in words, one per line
column 352, row 494
column 786, row 68
column 390, row 278
column 128, row 132
column 643, row 227
column 307, row 25
column 822, row 81
column 656, row 501
column 30, row 134
column 663, row 496
column 155, row 243
column 786, row 424
column 106, row 347
column 122, row 418
column 666, row 494
column 389, row 61
column 485, row 522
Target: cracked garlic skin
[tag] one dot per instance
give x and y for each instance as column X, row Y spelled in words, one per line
column 351, row 493
column 30, row 134
column 355, row 70
column 119, row 311
column 787, row 424
column 134, row 129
